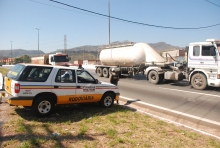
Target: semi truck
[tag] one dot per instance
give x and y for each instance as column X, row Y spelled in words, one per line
column 201, row 68
column 52, row 59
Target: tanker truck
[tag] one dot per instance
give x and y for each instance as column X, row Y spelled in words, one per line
column 52, row 59
column 201, row 67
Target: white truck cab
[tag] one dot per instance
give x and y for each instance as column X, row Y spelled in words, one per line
column 201, row 68
column 204, row 63
column 41, row 87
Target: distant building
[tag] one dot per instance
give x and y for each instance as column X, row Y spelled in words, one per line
column 178, row 55
column 7, row 61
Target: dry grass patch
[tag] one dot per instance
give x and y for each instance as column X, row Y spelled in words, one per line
column 91, row 126
column 4, row 71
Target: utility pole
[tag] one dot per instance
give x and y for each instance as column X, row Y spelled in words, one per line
column 109, row 22
column 11, row 51
column 65, row 46
column 38, row 41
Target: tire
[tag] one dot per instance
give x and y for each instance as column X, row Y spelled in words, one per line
column 43, row 106
column 154, row 77
column 107, row 100
column 99, row 72
column 199, row 81
column 105, row 72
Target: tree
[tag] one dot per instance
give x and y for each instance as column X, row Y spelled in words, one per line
column 26, row 59
column 18, row 60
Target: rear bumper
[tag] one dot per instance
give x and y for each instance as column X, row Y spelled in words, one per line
column 17, row 101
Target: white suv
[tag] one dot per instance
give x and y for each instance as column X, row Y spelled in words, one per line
column 41, row 87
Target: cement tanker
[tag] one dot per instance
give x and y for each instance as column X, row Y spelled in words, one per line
column 127, row 59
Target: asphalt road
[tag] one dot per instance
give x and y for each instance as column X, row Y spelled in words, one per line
column 177, row 98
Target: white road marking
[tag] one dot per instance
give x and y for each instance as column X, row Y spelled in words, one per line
column 191, row 92
column 176, row 112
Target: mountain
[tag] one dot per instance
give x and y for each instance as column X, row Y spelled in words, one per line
column 19, row 52
column 159, row 47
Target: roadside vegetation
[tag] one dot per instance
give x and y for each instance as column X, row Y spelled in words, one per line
column 91, row 126
column 4, row 71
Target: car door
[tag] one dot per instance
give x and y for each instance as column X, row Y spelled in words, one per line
column 64, row 87
column 86, row 88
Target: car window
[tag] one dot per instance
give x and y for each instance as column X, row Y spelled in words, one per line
column 65, row 76
column 37, row 74
column 84, row 77
column 15, row 71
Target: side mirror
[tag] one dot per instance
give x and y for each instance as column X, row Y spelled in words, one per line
column 69, row 58
column 51, row 59
column 96, row 81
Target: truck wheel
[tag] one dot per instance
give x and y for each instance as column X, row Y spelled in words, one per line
column 43, row 106
column 99, row 72
column 199, row 81
column 107, row 100
column 105, row 72
column 153, row 77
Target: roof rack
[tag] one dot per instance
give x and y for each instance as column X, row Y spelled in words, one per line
column 124, row 44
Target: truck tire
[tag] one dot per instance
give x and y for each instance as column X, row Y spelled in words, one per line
column 43, row 106
column 99, row 72
column 105, row 72
column 199, row 81
column 107, row 100
column 154, row 77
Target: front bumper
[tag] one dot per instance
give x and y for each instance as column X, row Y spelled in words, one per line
column 117, row 96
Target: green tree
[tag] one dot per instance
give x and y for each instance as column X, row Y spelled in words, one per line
column 26, row 59
column 18, row 60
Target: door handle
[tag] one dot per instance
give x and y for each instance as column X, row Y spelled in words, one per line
column 56, row 86
column 77, row 86
column 202, row 62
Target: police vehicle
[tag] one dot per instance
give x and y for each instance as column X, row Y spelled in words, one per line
column 41, row 87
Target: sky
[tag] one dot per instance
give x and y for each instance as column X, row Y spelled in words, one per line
column 86, row 22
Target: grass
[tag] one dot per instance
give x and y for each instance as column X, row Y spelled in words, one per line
column 4, row 71
column 91, row 126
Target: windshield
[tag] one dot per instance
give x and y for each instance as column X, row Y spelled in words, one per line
column 61, row 58
column 14, row 71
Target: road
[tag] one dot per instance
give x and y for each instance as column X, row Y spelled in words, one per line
column 178, row 99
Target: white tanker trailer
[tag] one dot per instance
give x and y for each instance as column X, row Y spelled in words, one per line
column 201, row 68
column 129, row 59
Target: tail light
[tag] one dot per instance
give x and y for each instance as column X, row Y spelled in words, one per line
column 17, row 88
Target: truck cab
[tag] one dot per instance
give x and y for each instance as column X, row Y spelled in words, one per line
column 59, row 59
column 204, row 63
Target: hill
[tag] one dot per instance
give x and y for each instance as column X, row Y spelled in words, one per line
column 83, row 52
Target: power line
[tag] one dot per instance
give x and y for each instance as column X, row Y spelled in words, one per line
column 150, row 25
column 213, row 3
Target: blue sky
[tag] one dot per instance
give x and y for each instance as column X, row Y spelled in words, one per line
column 20, row 18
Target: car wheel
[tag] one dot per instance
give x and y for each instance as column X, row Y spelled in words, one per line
column 43, row 106
column 199, row 81
column 107, row 100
